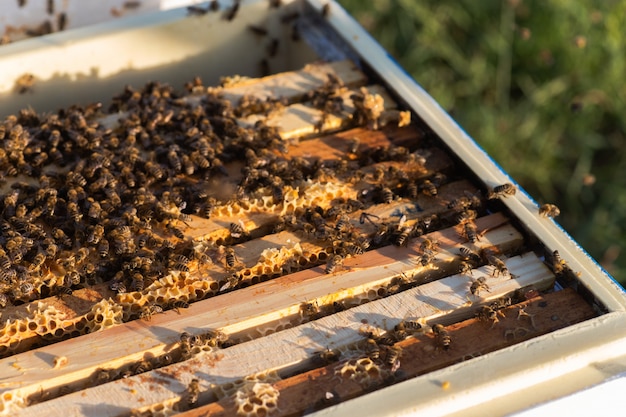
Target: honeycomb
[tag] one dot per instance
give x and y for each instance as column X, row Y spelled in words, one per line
column 363, row 370
column 11, row 403
column 254, row 395
column 156, row 410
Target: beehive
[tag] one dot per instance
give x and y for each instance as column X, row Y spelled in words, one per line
column 275, row 245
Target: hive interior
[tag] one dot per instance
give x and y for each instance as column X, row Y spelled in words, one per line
column 168, row 198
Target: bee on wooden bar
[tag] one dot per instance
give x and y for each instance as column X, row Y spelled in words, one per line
column 470, row 231
column 325, row 10
column 272, row 48
column 50, row 7
column 549, row 210
column 468, row 201
column 287, row 18
column 486, row 313
column 503, row 190
column 310, row 311
column 178, row 304
column 478, row 285
column 197, row 10
column 442, row 336
column 257, row 30
column 428, row 188
column 328, row 356
column 186, row 343
column 466, row 216
column 148, row 311
column 103, row 375
column 214, row 5
column 333, row 263
column 392, row 357
column 406, row 328
column 193, row 390
column 61, row 21
column 372, row 349
column 469, row 256
column 216, row 338
column 230, row 257
column 499, row 266
column 558, row 264
column 237, row 230
column 25, row 83
column 63, row 290
column 141, row 367
column 231, row 282
column 231, row 13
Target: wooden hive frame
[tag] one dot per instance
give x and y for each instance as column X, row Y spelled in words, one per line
column 328, row 333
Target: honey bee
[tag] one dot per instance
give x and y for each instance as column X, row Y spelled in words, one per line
column 178, row 304
column 216, row 338
column 491, row 258
column 487, row 313
column 333, row 263
column 406, row 328
column 442, row 336
column 310, row 311
column 95, row 234
column 197, row 10
column 230, row 257
column 63, row 290
column 325, row 10
column 103, row 248
column 328, row 356
column 231, row 13
column 468, row 201
column 231, row 282
column 386, row 195
column 186, row 343
column 149, row 310
column 392, row 357
column 428, row 188
column 558, row 264
column 141, row 367
column 25, row 83
column 103, row 375
column 372, row 349
column 503, row 190
column 257, row 30
column 401, row 237
column 4, row 300
column 478, row 285
column 81, row 254
column 549, row 210
column 61, row 21
column 272, row 48
column 471, row 232
column 137, row 282
column 470, row 256
column 193, row 389
column 237, row 230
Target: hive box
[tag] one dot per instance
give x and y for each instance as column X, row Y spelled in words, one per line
column 87, row 64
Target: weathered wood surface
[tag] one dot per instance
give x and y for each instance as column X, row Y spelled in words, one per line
column 361, row 277
column 322, row 387
column 291, row 86
column 292, row 349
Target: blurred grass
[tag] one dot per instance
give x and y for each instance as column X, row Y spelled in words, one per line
column 541, row 85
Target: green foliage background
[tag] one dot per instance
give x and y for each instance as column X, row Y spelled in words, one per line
column 540, row 84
